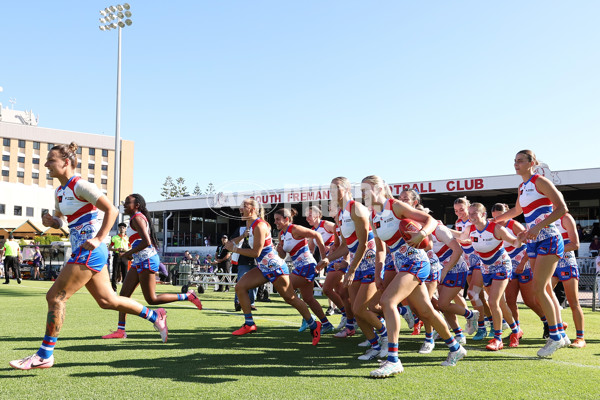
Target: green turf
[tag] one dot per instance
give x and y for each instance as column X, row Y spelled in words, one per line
column 202, row 359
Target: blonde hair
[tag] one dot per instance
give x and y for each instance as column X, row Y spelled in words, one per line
column 287, row 213
column 342, row 182
column 67, row 151
column 530, row 156
column 260, row 211
column 462, row 200
column 480, row 207
column 377, row 181
column 314, row 210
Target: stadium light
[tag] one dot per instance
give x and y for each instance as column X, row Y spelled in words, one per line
column 108, row 15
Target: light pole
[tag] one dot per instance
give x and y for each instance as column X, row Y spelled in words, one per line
column 117, row 17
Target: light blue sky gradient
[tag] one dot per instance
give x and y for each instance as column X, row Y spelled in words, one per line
column 297, row 92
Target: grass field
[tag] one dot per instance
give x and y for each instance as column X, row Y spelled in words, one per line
column 203, row 360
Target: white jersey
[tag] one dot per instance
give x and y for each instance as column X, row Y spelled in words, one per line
column 135, row 239
column 297, row 248
column 490, row 249
column 536, row 207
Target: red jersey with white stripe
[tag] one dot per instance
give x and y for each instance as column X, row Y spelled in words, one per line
column 296, row 247
column 489, row 248
column 268, row 258
column 536, row 207
column 84, row 219
column 135, row 239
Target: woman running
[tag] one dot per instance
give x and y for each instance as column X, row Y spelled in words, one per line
column 294, row 241
column 413, row 268
column 78, row 201
column 360, row 278
column 521, row 280
column 542, row 205
column 487, row 239
column 271, row 268
column 333, row 287
column 568, row 273
column 145, row 265
column 474, row 278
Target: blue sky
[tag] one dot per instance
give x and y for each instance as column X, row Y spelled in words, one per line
column 277, row 93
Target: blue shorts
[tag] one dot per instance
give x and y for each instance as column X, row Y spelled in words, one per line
column 306, row 271
column 332, row 263
column 272, row 274
column 151, row 264
column 550, row 246
column 365, row 275
column 455, row 280
column 495, row 276
column 566, row 271
column 524, row 277
column 420, row 269
column 433, row 276
column 94, row 260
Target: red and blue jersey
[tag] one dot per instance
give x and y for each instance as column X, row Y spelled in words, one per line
column 135, row 239
column 82, row 216
column 443, row 251
column 536, row 207
column 348, row 230
column 568, row 256
column 469, row 255
column 297, row 248
column 489, row 248
column 327, row 236
column 268, row 258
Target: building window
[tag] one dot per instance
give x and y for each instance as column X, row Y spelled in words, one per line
column 104, row 167
column 35, row 160
column 4, row 172
column 104, row 181
column 21, row 159
column 45, row 211
column 29, row 211
column 35, row 175
column 92, row 151
column 48, row 177
column 104, row 153
column 20, row 174
column 78, row 150
column 50, row 146
column 18, row 210
column 6, row 142
column 36, row 145
column 91, row 179
column 2, row 208
column 91, row 166
column 5, row 157
column 21, row 144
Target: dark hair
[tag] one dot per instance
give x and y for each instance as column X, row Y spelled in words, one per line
column 462, row 200
column 500, row 207
column 141, row 203
column 414, row 196
column 122, row 225
column 530, row 156
column 287, row 213
column 67, row 151
column 10, row 236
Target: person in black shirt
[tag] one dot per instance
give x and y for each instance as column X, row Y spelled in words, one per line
column 223, row 260
column 245, row 264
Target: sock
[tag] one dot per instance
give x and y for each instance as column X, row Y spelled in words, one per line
column 148, row 314
column 380, row 318
column 343, row 310
column 182, row 296
column 458, row 331
column 402, row 310
column 514, row 327
column 490, row 320
column 47, row 347
column 312, row 324
column 481, row 324
column 518, row 324
column 382, row 331
column 429, row 337
column 579, row 334
column 498, row 334
column 121, row 326
column 325, row 321
column 375, row 343
column 554, row 335
column 393, row 352
column 417, row 320
column 248, row 319
column 468, row 314
column 561, row 329
column 350, row 323
column 452, row 344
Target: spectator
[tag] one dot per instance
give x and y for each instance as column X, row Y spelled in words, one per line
column 187, row 256
column 206, row 241
column 38, row 261
column 595, row 246
column 12, row 259
column 119, row 244
column 223, row 260
column 245, row 264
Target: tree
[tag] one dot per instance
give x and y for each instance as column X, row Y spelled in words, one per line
column 181, row 189
column 210, row 189
column 197, row 191
column 168, row 188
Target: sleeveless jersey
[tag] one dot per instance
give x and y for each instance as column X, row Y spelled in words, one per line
column 82, row 216
column 469, row 255
column 489, row 248
column 135, row 239
column 443, row 252
column 536, row 207
column 268, row 259
column 387, row 228
column 297, row 248
column 569, row 256
column 516, row 254
column 325, row 234
column 348, row 231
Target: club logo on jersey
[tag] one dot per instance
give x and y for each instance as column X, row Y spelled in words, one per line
column 377, row 225
column 475, row 239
